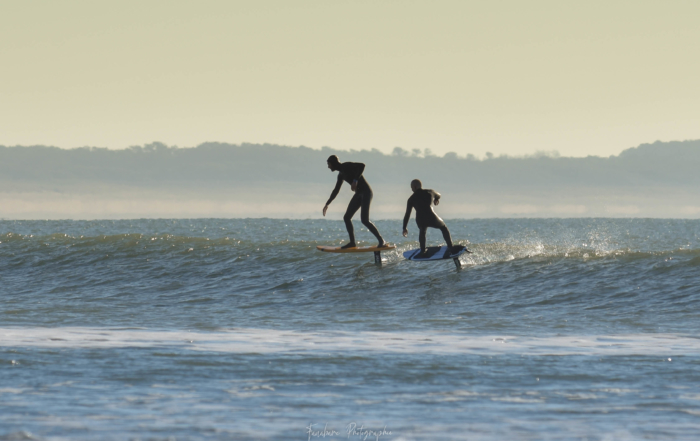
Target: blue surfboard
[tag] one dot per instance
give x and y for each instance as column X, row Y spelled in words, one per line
column 436, row 253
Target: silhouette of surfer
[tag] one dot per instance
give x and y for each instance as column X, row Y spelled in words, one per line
column 422, row 200
column 351, row 172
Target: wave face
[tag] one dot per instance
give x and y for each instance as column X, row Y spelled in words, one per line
column 241, row 329
column 566, row 275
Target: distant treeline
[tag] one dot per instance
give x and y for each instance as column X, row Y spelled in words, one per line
column 215, row 164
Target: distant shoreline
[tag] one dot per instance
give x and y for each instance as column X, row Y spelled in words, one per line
column 657, row 180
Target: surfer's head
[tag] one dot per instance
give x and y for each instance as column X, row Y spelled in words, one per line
column 416, row 185
column 333, row 162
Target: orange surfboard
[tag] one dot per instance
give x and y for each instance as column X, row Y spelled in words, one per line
column 329, row 249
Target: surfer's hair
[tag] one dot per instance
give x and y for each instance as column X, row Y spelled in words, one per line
column 417, row 183
column 333, row 160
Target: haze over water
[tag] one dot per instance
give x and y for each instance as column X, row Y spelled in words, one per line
column 240, row 329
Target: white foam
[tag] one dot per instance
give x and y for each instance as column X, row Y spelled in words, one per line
column 268, row 341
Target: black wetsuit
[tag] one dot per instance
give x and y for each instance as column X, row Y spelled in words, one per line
column 422, row 201
column 348, row 172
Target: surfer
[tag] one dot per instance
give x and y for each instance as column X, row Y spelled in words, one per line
column 351, row 172
column 422, row 200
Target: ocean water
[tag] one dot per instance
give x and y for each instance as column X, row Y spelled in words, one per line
column 238, row 329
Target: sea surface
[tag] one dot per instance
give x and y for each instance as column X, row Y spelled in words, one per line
column 239, row 329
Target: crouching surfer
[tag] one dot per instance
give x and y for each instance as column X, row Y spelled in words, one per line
column 422, row 200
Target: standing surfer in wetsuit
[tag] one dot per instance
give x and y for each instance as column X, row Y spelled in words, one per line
column 422, row 200
column 351, row 172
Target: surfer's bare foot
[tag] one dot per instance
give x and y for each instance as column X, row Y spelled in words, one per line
column 348, row 245
column 383, row 244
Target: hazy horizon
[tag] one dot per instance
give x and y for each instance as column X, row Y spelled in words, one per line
column 421, row 153
column 251, row 180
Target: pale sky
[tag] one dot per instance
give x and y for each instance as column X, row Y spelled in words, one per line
column 509, row 77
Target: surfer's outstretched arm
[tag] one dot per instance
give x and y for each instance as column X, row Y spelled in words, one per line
column 407, row 216
column 436, row 196
column 333, row 194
